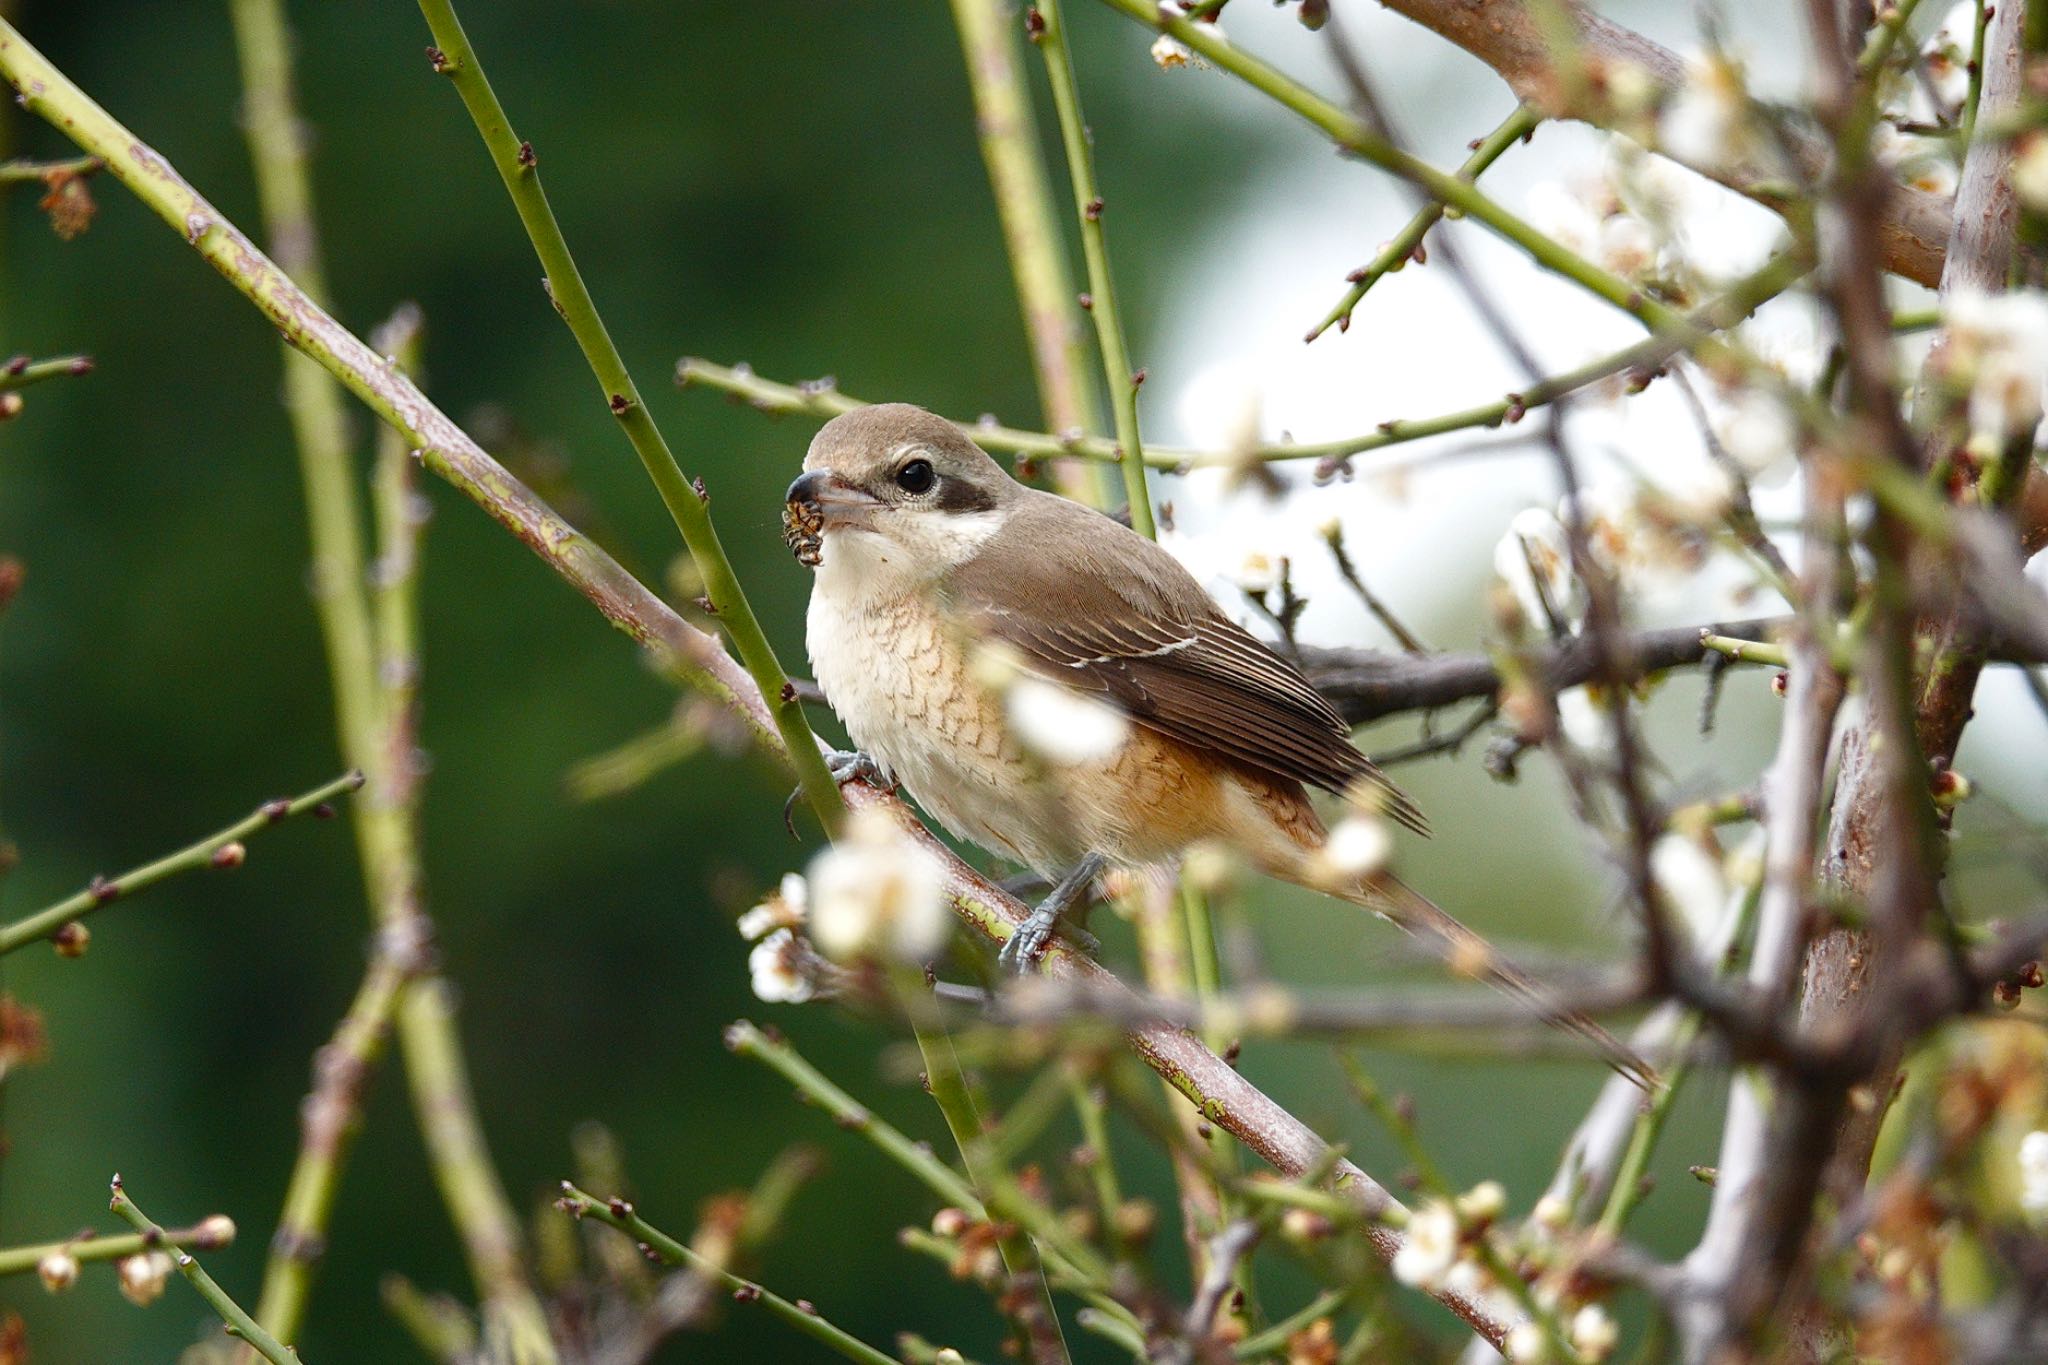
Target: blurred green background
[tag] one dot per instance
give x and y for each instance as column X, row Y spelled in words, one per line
column 794, row 184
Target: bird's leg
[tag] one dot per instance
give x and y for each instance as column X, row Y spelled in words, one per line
column 845, row 765
column 1021, row 951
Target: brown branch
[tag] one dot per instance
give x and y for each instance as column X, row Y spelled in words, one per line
column 1508, row 36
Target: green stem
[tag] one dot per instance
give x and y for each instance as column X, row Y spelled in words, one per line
column 240, row 1324
column 210, row 1235
column 21, row 372
column 1275, row 1338
column 1627, row 1190
column 1353, row 134
column 617, row 1213
column 1008, row 131
column 377, row 738
column 519, row 168
column 20, row 171
column 1401, row 246
column 104, row 891
column 1745, row 651
column 328, row 1123
column 1037, row 1324
column 1065, row 1254
column 1122, row 381
column 1742, row 299
column 681, row 651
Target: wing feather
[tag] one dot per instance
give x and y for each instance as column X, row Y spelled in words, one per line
column 1145, row 637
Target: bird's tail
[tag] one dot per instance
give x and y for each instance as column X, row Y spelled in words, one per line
column 1468, row 954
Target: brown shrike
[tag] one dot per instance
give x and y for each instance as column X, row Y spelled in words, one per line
column 942, row 584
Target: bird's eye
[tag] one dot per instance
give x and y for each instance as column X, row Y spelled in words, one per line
column 916, row 476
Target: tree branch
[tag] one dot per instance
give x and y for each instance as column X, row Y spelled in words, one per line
column 1508, row 37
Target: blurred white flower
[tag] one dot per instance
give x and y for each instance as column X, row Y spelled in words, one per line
column 1527, row 1343
column 142, row 1277
column 1257, row 573
column 1063, row 726
column 1170, row 52
column 1429, row 1246
column 1757, row 432
column 1920, row 162
column 1483, row 1203
column 1358, row 847
column 2034, row 1174
column 780, row 972
column 2030, row 170
column 1534, row 560
column 58, row 1271
column 877, row 891
column 1945, row 58
column 782, row 910
column 1707, row 122
column 1594, row 1335
column 1997, row 345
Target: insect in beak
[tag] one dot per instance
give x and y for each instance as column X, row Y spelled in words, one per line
column 819, row 501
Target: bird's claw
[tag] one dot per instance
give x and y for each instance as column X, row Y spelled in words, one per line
column 845, row 765
column 851, row 765
column 1027, row 943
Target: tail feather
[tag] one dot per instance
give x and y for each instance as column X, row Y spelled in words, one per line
column 1466, row 952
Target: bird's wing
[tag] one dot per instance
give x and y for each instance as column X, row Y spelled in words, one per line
column 1135, row 628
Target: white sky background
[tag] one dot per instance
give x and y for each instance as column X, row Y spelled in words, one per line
column 1243, row 292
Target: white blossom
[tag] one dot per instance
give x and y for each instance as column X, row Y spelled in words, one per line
column 1484, row 1202
column 1757, row 432
column 2030, row 171
column 1429, row 1246
column 1061, row 725
column 877, row 891
column 142, row 1277
column 782, row 910
column 779, row 971
column 1707, row 122
column 1594, row 1335
column 1257, row 573
column 1358, row 847
column 58, row 1271
column 1997, row 345
column 1534, row 560
column 1946, row 55
column 2034, row 1174
column 1170, row 52
column 1527, row 1342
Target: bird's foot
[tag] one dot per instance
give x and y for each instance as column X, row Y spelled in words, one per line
column 1026, row 944
column 845, row 765
column 851, row 765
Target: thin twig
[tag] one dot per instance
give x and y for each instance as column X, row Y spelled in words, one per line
column 239, row 1323
column 212, row 851
column 1004, row 122
column 20, row 372
column 618, row 1213
column 1049, row 31
column 688, row 504
column 1516, row 127
column 209, row 1234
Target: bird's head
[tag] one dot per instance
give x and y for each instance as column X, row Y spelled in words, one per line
column 894, row 485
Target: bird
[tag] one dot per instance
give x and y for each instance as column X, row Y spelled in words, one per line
column 957, row 614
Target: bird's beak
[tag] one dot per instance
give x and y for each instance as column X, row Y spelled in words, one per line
column 820, row 501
